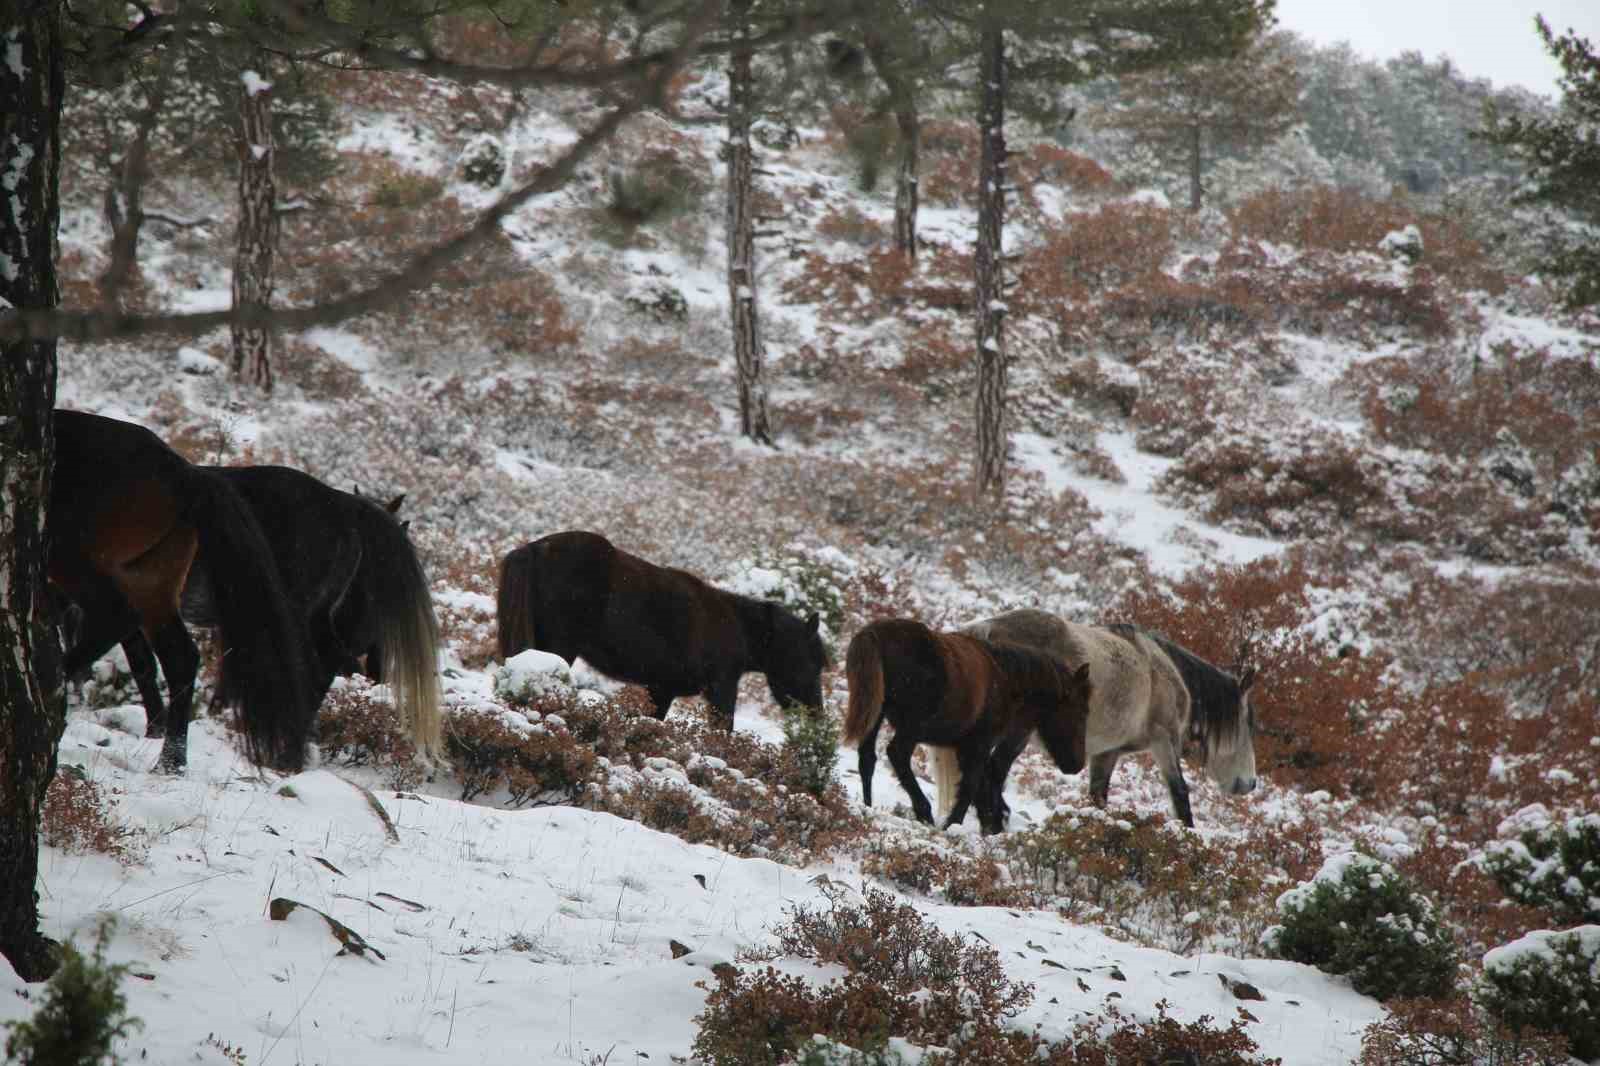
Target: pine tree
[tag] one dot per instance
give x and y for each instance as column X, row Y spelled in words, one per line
column 1194, row 110
column 1562, row 156
column 1026, row 51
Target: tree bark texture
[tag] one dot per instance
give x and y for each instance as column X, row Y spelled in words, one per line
column 990, row 465
column 125, row 197
column 1196, row 188
column 31, row 710
column 909, row 149
column 753, row 418
column 258, row 230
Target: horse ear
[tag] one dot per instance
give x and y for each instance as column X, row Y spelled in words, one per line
column 405, row 525
column 1247, row 679
column 393, row 506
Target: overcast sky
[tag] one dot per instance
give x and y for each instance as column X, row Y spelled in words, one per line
column 1492, row 39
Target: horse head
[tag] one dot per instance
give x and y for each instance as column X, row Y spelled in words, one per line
column 796, row 658
column 1231, row 752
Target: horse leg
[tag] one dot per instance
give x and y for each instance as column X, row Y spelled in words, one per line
column 723, row 695
column 142, row 665
column 107, row 618
column 180, row 662
column 661, row 697
column 1100, row 767
column 867, row 760
column 1000, row 761
column 971, row 755
column 1166, row 756
column 900, row 749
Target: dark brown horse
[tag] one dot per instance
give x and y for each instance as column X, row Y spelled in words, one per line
column 952, row 690
column 578, row 596
column 128, row 520
column 352, row 577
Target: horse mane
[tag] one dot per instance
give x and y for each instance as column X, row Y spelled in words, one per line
column 1026, row 669
column 1213, row 692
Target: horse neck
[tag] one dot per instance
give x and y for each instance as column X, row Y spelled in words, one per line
column 755, row 622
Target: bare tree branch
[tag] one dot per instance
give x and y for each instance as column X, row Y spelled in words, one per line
column 16, row 325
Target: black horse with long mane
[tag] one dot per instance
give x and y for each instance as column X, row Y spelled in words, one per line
column 577, row 595
column 353, row 577
column 128, row 521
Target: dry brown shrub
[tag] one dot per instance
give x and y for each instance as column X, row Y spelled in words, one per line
column 960, row 879
column 1453, row 1032
column 1317, row 709
column 858, row 289
column 354, row 728
column 1311, row 484
column 1159, row 1041
column 539, row 765
column 949, row 163
column 78, row 818
column 1323, row 218
column 1042, row 162
column 314, row 370
column 1092, row 252
column 850, row 226
column 903, row 978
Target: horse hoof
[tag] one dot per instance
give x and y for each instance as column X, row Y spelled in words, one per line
column 170, row 768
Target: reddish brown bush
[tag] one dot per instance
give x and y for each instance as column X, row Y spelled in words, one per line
column 78, row 817
column 1431, row 1032
column 356, row 729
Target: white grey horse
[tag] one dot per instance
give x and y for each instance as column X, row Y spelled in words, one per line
column 1149, row 694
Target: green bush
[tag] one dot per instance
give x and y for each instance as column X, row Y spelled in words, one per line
column 811, row 746
column 1548, row 981
column 82, row 1012
column 807, row 583
column 1360, row 918
column 1555, row 866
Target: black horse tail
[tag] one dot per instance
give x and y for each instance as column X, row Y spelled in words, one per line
column 408, row 630
column 514, row 604
column 264, row 672
column 863, row 669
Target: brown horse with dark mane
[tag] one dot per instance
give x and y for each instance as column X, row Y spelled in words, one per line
column 577, row 595
column 129, row 519
column 953, row 690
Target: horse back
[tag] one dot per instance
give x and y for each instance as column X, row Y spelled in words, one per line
column 1120, row 671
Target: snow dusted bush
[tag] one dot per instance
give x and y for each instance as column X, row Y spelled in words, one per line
column 811, row 743
column 529, row 676
column 1551, row 864
column 1454, row 1032
column 807, row 581
column 1360, row 918
column 1549, row 981
column 483, row 161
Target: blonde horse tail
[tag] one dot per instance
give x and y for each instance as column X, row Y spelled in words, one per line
column 946, row 779
column 863, row 668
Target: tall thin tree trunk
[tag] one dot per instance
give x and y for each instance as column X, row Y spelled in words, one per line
column 31, row 715
column 258, row 230
column 125, row 197
column 1195, row 188
column 753, row 418
column 908, row 122
column 990, row 466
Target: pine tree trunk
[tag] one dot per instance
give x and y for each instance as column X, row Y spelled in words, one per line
column 753, row 419
column 1195, row 188
column 125, row 198
column 908, row 122
column 990, row 468
column 31, row 716
column 258, row 231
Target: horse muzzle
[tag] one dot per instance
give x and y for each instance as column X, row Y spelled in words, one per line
column 1241, row 785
